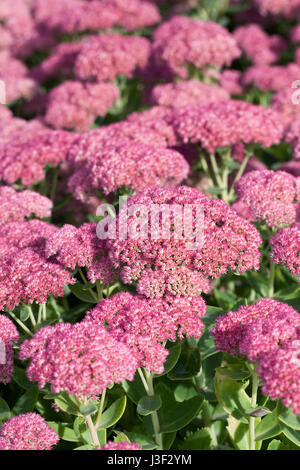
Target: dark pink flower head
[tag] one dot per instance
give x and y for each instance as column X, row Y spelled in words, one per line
column 24, row 234
column 288, row 110
column 76, row 105
column 271, row 77
column 183, row 42
column 267, row 334
column 286, row 248
column 257, row 45
column 231, row 81
column 72, row 247
column 26, row 275
column 15, row 75
column 295, row 33
column 227, row 123
column 156, row 133
column 178, row 94
column 24, row 155
column 287, row 8
column 170, row 263
column 27, row 431
column 128, row 164
column 69, row 16
column 271, row 196
column 15, row 206
column 279, row 371
column 8, row 334
column 292, row 137
column 120, row 446
column 82, row 359
column 59, row 64
column 236, row 332
column 106, row 56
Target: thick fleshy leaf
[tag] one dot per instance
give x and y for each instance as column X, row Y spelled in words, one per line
column 26, row 402
column 287, row 417
column 198, row 440
column 268, row 427
column 171, row 360
column 147, row 405
column 112, row 415
column 64, row 431
column 4, row 410
column 232, row 396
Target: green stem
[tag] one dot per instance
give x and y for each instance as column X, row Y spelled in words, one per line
column 215, row 169
column 85, row 281
column 239, row 175
column 271, row 280
column 100, row 409
column 20, row 323
column 54, row 184
column 93, row 431
column 255, row 382
column 31, row 316
column 44, row 314
column 154, row 415
column 100, row 288
column 40, row 314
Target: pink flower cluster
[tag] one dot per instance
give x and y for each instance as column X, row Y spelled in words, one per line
column 292, row 137
column 19, row 205
column 288, row 111
column 27, row 431
column 26, row 152
column 272, row 197
column 287, row 8
column 129, row 164
column 8, row 334
column 82, row 359
column 285, row 248
column 178, row 94
column 23, row 262
column 268, row 332
column 227, row 123
column 271, row 77
column 144, row 324
column 15, row 75
column 170, row 266
column 69, row 16
column 183, row 42
column 106, row 56
column 257, row 45
column 75, row 105
column 120, row 446
column 73, row 247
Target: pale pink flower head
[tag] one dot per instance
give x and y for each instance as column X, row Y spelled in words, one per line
column 271, row 196
column 16, row 206
column 285, row 248
column 231, row 81
column 288, row 110
column 28, row 431
column 169, row 264
column 8, row 335
column 257, row 45
column 106, row 56
column 279, row 371
column 75, row 105
column 249, row 329
column 128, row 164
column 24, row 155
column 184, row 42
column 288, row 8
column 271, row 77
column 15, row 75
column 178, row 94
column 227, row 123
column 81, row 359
column 120, row 446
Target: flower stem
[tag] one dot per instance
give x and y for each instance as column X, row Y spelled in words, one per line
column 215, row 170
column 255, row 383
column 154, row 415
column 100, row 409
column 239, row 175
column 271, row 280
column 85, row 281
column 31, row 316
column 20, row 323
column 93, row 431
column 54, row 184
column 44, row 314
